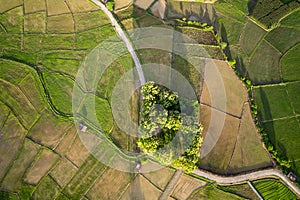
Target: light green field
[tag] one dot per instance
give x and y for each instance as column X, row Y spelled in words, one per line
column 272, row 189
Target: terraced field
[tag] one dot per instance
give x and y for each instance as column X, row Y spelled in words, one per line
column 272, row 189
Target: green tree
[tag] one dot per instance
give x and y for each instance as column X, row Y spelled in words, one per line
column 161, row 120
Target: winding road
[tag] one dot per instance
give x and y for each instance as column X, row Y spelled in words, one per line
column 227, row 180
column 123, row 37
column 217, row 178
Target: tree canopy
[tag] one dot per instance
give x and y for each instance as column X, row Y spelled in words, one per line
column 165, row 130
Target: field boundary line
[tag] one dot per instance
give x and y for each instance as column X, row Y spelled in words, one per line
column 217, row 109
column 254, row 190
column 152, row 183
column 273, row 46
column 3, row 27
column 281, row 118
column 295, row 10
column 171, row 184
column 238, row 135
column 74, row 24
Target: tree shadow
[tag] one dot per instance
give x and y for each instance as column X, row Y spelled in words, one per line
column 251, row 6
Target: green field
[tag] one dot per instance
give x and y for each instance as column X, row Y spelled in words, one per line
column 268, row 105
column 273, row 189
column 289, row 64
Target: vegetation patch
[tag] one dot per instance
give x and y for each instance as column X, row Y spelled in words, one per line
column 9, row 5
column 110, row 185
column 17, row 101
column 81, row 6
column 60, row 24
column 48, row 129
column 112, row 74
column 13, row 179
column 292, row 20
column 284, row 135
column 161, row 177
column 84, row 178
column 160, row 124
column 185, row 186
column 148, row 20
column 91, row 38
column 235, row 92
column 219, row 157
column 290, row 64
column 31, row 6
column 119, row 4
column 35, row 23
column 272, row 189
column 190, row 72
column 12, row 133
column 60, row 88
column 12, row 71
column 47, row 189
column 85, row 21
column 58, row 41
column 77, row 152
column 293, row 90
column 40, row 167
column 264, row 65
column 251, row 36
column 242, row 190
column 139, row 188
column 212, row 192
column 63, row 172
column 12, row 20
column 199, row 35
column 248, row 153
column 269, row 107
column 66, row 142
column 65, row 61
column 283, row 38
column 57, row 7
column 271, row 11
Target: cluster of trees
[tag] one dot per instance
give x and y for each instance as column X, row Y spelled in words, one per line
column 165, row 131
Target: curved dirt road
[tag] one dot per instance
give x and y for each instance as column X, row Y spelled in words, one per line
column 249, row 176
column 219, row 179
column 122, row 35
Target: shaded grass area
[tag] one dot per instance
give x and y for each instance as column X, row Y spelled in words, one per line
column 293, row 90
column 190, row 72
column 284, row 135
column 242, row 190
column 212, row 192
column 251, row 37
column 269, row 106
column 283, row 38
column 264, row 65
column 290, row 64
